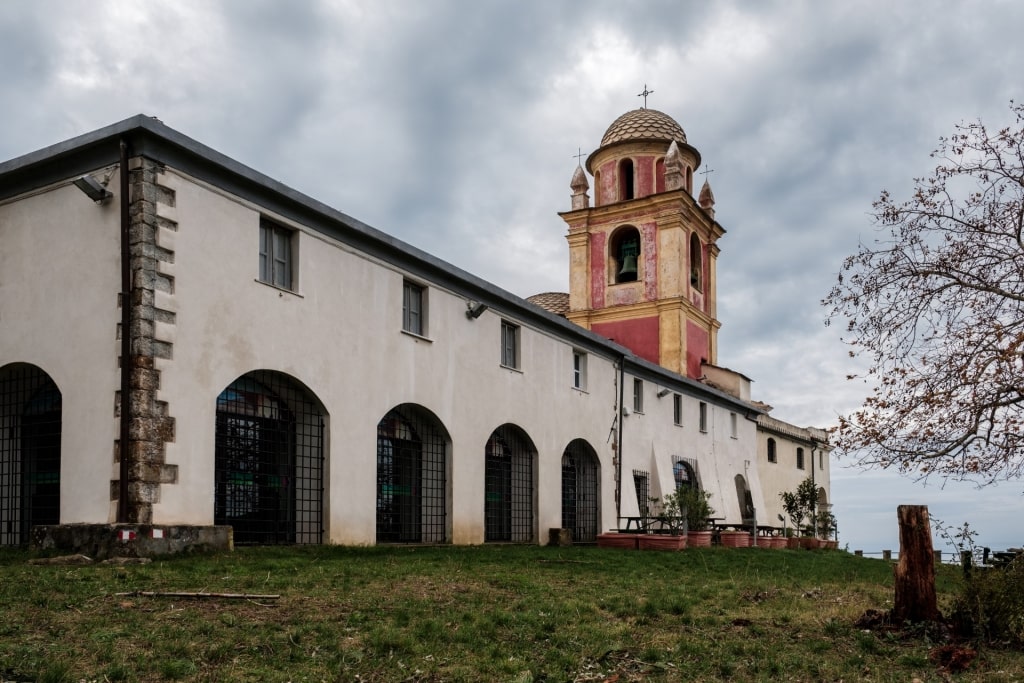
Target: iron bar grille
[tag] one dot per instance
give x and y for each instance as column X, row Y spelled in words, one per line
column 508, row 486
column 30, row 425
column 581, row 491
column 412, row 484
column 642, row 484
column 685, row 472
column 268, row 461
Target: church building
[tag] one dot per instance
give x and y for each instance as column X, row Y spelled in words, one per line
column 188, row 346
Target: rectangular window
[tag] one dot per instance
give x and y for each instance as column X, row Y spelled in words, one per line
column 703, row 416
column 772, row 456
column 638, row 396
column 732, row 425
column 509, row 345
column 414, row 308
column 821, row 461
column 799, row 458
column 579, row 370
column 677, row 409
column 276, row 255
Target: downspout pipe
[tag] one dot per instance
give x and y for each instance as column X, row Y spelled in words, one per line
column 618, row 454
column 124, row 443
column 814, row 508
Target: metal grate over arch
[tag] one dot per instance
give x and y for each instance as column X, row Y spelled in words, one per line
column 509, row 458
column 581, row 491
column 412, row 477
column 269, row 461
column 30, row 432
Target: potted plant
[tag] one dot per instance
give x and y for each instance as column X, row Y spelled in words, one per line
column 799, row 507
column 695, row 508
column 671, row 516
column 826, row 528
column 794, row 511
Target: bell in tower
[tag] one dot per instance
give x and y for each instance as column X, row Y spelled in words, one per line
column 627, row 257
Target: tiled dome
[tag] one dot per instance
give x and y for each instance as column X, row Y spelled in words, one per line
column 644, row 124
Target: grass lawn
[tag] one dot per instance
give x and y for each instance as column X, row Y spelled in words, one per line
column 494, row 613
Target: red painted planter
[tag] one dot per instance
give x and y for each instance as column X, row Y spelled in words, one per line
column 699, row 539
column 661, row 542
column 792, row 542
column 615, row 540
column 735, row 539
column 779, row 541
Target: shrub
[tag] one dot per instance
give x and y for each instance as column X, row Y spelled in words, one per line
column 990, row 607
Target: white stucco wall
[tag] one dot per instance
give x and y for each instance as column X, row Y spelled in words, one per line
column 784, row 475
column 340, row 335
column 651, row 439
column 59, row 283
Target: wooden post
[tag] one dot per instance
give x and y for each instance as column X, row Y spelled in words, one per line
column 914, row 574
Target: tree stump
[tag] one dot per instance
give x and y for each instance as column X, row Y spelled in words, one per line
column 915, row 572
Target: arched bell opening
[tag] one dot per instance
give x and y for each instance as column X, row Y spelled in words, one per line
column 624, row 255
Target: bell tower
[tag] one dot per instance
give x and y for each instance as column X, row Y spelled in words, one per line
column 642, row 259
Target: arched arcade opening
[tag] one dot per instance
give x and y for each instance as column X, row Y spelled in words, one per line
column 30, row 434
column 412, row 477
column 509, row 458
column 269, row 460
column 581, row 491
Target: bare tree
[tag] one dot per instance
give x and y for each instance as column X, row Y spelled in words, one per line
column 936, row 305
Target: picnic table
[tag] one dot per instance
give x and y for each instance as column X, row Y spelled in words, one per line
column 656, row 524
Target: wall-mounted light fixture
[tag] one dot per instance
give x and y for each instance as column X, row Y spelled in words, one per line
column 93, row 189
column 663, row 393
column 475, row 309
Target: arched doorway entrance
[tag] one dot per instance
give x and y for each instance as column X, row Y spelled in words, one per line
column 30, row 429
column 269, row 460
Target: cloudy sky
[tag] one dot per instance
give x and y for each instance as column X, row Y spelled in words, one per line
column 453, row 124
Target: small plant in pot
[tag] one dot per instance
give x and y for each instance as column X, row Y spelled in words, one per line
column 794, row 509
column 826, row 528
column 670, row 517
column 694, row 507
column 799, row 507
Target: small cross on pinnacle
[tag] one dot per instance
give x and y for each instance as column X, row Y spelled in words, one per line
column 579, row 155
column 706, row 171
column 644, row 95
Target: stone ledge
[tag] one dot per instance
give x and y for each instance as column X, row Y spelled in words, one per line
column 103, row 541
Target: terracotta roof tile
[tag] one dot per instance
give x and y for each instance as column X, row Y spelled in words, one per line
column 553, row 302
